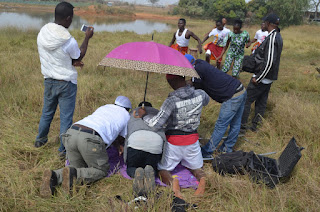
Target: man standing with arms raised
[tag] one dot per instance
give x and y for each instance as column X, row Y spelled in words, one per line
column 59, row 54
column 182, row 36
column 267, row 58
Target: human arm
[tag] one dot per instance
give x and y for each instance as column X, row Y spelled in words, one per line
column 206, row 38
column 206, row 98
column 251, row 42
column 160, row 119
column 197, row 39
column 172, row 40
column 223, row 50
column 119, row 144
column 84, row 46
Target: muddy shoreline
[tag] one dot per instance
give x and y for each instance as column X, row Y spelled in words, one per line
column 90, row 11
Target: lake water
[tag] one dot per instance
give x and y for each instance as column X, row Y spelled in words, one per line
column 35, row 20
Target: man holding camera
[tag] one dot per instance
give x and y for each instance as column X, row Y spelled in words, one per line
column 59, row 54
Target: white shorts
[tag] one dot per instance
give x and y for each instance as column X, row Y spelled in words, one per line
column 190, row 156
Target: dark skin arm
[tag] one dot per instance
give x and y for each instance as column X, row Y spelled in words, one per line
column 205, row 38
column 119, row 143
column 250, row 42
column 191, row 34
column 173, row 40
column 141, row 112
column 83, row 47
column 224, row 50
column 254, row 81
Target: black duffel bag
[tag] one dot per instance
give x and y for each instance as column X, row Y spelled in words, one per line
column 232, row 163
column 249, row 63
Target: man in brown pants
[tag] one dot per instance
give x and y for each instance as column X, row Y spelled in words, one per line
column 86, row 142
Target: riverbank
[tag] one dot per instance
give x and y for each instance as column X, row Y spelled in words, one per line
column 99, row 11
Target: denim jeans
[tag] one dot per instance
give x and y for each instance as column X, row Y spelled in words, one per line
column 56, row 93
column 230, row 114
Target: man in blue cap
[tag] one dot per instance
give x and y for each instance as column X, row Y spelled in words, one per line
column 226, row 90
column 267, row 62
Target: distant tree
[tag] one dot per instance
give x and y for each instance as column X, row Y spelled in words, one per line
column 191, row 7
column 314, row 4
column 230, row 9
column 258, row 9
column 153, row 1
column 290, row 11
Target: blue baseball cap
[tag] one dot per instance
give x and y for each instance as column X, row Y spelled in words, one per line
column 190, row 58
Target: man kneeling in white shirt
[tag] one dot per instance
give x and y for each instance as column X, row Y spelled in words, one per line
column 86, row 142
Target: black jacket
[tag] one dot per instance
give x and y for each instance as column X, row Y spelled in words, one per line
column 267, row 57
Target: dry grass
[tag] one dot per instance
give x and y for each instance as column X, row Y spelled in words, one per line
column 293, row 110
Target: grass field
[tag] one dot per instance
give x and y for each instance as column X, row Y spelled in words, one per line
column 293, row 110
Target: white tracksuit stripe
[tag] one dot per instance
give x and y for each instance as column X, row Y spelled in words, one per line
column 270, row 57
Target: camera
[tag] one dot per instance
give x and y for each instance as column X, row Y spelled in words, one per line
column 84, row 28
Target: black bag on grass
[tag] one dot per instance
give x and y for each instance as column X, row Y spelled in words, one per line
column 232, row 163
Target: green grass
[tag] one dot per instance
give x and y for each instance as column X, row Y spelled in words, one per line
column 293, row 110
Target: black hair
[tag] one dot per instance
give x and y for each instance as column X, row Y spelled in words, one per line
column 184, row 20
column 147, row 104
column 63, row 10
column 219, row 21
column 238, row 22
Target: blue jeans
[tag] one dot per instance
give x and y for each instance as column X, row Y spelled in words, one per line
column 230, row 114
column 62, row 93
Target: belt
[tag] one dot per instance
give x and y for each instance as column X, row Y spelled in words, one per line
column 240, row 88
column 238, row 93
column 84, row 129
column 55, row 80
column 179, row 132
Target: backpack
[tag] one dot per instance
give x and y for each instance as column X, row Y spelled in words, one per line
column 232, row 163
column 249, row 64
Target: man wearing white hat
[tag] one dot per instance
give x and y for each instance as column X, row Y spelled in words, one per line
column 86, row 142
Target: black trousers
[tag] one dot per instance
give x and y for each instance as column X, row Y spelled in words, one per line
column 138, row 158
column 258, row 94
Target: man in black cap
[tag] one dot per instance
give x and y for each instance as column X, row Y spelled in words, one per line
column 267, row 61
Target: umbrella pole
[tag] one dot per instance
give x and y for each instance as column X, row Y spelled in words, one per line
column 145, row 90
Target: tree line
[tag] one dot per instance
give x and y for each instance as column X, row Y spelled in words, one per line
column 291, row 12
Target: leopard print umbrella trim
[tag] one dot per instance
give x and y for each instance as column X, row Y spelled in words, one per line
column 149, row 67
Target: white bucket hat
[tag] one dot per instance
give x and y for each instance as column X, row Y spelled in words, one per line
column 123, row 102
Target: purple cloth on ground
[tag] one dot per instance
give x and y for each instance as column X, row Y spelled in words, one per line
column 186, row 179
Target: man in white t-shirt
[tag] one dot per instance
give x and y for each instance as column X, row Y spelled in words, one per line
column 86, row 142
column 214, row 48
column 261, row 34
column 59, row 54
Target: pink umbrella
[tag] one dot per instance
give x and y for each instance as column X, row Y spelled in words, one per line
column 149, row 57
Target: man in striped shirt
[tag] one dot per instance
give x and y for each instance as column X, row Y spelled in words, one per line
column 267, row 57
column 180, row 115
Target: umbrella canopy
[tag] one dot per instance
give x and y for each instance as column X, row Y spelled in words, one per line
column 150, row 57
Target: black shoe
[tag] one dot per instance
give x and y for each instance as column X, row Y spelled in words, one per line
column 38, row 144
column 149, row 179
column 48, row 184
column 138, row 183
column 69, row 176
column 179, row 205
